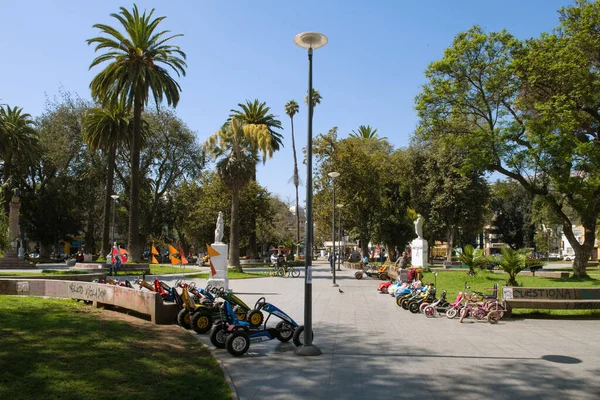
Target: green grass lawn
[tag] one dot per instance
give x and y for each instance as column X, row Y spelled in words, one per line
column 454, row 282
column 232, row 275
column 61, row 349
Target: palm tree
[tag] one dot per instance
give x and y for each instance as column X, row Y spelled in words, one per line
column 512, row 262
column 473, row 258
column 235, row 148
column 105, row 129
column 316, row 98
column 291, row 109
column 365, row 133
column 137, row 65
column 257, row 113
column 19, row 144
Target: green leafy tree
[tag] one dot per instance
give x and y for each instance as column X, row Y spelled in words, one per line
column 235, row 149
column 138, row 63
column 527, row 111
column 447, row 192
column 513, row 209
column 106, row 130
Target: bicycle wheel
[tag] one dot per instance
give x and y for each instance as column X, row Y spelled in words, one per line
column 280, row 272
column 295, row 273
column 451, row 313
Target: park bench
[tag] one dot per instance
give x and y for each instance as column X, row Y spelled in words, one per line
column 552, row 298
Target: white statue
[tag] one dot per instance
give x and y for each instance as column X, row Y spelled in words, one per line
column 419, row 226
column 220, row 228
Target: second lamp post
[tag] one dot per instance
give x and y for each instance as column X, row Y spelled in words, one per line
column 333, row 175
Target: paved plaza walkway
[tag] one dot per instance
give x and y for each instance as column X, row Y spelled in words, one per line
column 372, row 349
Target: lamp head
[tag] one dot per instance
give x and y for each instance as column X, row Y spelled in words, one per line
column 333, row 174
column 310, row 40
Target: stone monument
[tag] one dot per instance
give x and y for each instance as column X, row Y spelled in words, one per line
column 11, row 259
column 217, row 253
column 420, row 249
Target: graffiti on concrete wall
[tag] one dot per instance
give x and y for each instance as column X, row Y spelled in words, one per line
column 87, row 291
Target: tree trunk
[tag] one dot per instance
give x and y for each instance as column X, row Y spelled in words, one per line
column 450, row 244
column 106, row 228
column 582, row 251
column 252, row 244
column 135, row 250
column 296, row 183
column 234, row 232
column 391, row 251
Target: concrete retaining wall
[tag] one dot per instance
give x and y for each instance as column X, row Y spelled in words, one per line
column 72, row 277
column 144, row 302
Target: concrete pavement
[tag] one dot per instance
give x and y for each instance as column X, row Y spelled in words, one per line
column 374, row 350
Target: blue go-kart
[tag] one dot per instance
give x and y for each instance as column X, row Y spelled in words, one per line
column 236, row 335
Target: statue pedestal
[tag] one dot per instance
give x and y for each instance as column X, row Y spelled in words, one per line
column 420, row 251
column 220, row 263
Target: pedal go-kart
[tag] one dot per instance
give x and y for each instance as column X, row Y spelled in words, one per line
column 372, row 272
column 203, row 317
column 236, row 335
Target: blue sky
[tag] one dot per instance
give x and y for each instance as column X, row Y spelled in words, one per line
column 368, row 74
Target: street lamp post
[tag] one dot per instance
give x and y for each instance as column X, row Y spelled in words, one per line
column 333, row 175
column 114, row 197
column 309, row 41
column 342, row 247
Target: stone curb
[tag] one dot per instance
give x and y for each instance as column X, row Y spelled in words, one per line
column 234, row 394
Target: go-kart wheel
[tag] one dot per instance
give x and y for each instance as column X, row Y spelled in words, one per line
column 414, row 308
column 218, row 336
column 399, row 301
column 128, row 284
column 451, row 313
column 201, row 321
column 237, row 343
column 358, row 275
column 404, row 303
column 493, row 317
column 422, row 307
column 299, row 336
column 240, row 313
column 286, row 331
column 429, row 311
column 383, row 276
column 183, row 319
column 255, row 318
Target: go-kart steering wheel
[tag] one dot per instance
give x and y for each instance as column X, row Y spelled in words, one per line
column 178, row 283
column 192, row 286
column 260, row 303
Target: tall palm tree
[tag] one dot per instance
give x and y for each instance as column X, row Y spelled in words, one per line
column 105, row 129
column 366, row 132
column 256, row 112
column 316, row 96
column 235, row 148
column 291, row 109
column 137, row 66
column 19, row 144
